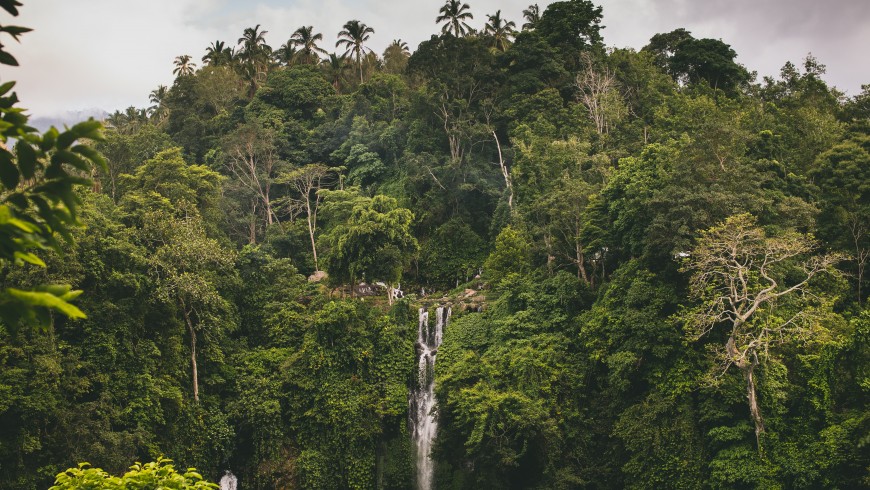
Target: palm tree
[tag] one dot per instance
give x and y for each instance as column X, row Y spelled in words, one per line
column 335, row 67
column 532, row 16
column 396, row 56
column 183, row 66
column 253, row 42
column 354, row 35
column 499, row 31
column 286, row 53
column 158, row 110
column 218, row 54
column 256, row 56
column 455, row 14
column 305, row 39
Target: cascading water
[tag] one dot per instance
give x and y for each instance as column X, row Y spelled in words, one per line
column 424, row 424
column 229, row 481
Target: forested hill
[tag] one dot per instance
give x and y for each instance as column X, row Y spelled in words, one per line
column 672, row 253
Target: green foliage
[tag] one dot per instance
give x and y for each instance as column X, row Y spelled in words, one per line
column 510, row 255
column 373, row 239
column 157, row 474
column 594, row 362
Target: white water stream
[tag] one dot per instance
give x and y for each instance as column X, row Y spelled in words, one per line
column 424, row 423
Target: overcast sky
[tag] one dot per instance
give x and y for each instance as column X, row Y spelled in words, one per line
column 110, row 54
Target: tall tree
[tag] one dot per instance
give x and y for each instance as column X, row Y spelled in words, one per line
column 500, row 31
column 353, row 37
column 335, row 68
column 532, row 16
column 183, row 66
column 307, row 182
column 744, row 281
column 454, row 14
column 396, row 56
column 305, row 40
column 256, row 57
column 159, row 111
column 218, row 54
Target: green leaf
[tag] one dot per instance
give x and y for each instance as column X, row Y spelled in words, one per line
column 7, row 59
column 10, row 6
column 92, row 155
column 30, row 258
column 26, row 159
column 71, row 158
column 8, row 171
column 46, row 300
column 6, row 87
column 49, row 139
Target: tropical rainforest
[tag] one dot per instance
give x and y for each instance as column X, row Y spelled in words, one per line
column 655, row 260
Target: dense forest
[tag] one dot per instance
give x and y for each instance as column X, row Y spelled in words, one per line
column 655, row 263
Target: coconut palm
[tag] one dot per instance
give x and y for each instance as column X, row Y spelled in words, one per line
column 455, row 15
column 256, row 57
column 396, row 56
column 286, row 54
column 532, row 16
column 305, row 40
column 499, row 31
column 218, row 54
column 352, row 38
column 183, row 66
column 159, row 111
column 335, row 67
column 253, row 42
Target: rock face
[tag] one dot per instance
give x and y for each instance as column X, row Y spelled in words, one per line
column 362, row 290
column 318, row 276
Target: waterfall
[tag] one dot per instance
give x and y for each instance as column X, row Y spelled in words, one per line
column 229, row 481
column 424, row 424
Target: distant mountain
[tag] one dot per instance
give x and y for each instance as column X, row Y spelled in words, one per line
column 68, row 118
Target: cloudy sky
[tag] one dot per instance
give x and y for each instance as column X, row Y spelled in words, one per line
column 110, row 54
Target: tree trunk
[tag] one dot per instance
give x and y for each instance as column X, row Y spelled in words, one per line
column 311, row 231
column 505, row 172
column 192, row 354
column 754, row 410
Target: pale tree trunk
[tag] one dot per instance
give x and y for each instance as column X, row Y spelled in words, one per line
column 754, row 410
column 581, row 267
column 505, row 172
column 311, row 231
column 192, row 332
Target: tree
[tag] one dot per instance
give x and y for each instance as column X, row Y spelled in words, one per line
column 455, row 14
column 159, row 111
column 571, row 25
column 307, row 181
column 373, row 241
column 251, row 156
column 353, row 37
column 757, row 288
column 255, row 56
column 396, row 57
column 218, row 54
column 499, row 31
column 306, row 40
column 599, row 93
column 335, row 67
column 708, row 60
column 532, row 16
column 183, row 66
column 286, row 54
column 186, row 266
column 842, row 174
